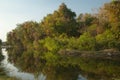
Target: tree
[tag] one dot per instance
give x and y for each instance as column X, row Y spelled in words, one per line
column 84, row 21
column 114, row 16
column 107, row 40
column 113, row 11
column 110, row 16
column 61, row 21
column 87, row 42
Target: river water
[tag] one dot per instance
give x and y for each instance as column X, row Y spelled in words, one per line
column 13, row 71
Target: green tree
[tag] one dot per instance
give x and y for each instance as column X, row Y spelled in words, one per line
column 87, row 42
column 107, row 40
column 113, row 11
column 110, row 13
column 61, row 21
column 84, row 21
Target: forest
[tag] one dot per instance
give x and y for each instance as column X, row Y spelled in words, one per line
column 62, row 30
column 41, row 44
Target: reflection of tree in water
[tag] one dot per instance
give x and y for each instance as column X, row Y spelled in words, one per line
column 97, row 69
column 36, row 76
column 52, row 72
column 61, row 73
column 69, row 69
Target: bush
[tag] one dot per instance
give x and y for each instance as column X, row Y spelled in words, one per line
column 87, row 42
column 51, row 44
column 107, row 40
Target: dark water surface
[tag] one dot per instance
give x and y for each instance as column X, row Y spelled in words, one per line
column 80, row 69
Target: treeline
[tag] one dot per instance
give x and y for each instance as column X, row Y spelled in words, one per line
column 63, row 30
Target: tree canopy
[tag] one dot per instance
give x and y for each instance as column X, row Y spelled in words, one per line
column 62, row 30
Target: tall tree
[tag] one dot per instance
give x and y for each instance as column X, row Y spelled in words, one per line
column 84, row 21
column 61, row 21
column 113, row 13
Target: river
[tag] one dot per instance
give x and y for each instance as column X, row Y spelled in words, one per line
column 13, row 71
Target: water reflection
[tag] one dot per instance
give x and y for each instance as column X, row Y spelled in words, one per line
column 67, row 68
column 12, row 71
column 52, row 73
column 80, row 77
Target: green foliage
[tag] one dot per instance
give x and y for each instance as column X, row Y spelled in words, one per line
column 73, row 44
column 106, row 40
column 113, row 11
column 37, row 45
column 51, row 44
column 92, row 30
column 87, row 42
column 61, row 30
column 51, row 58
column 61, row 21
column 84, row 21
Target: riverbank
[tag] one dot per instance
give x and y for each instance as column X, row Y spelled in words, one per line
column 103, row 54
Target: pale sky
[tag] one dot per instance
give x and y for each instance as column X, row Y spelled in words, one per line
column 13, row 12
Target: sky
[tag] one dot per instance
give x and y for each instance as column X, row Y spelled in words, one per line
column 13, row 12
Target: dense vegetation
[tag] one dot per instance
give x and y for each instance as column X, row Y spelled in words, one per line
column 62, row 30
column 39, row 43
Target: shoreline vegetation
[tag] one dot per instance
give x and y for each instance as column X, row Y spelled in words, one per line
column 61, row 39
column 62, row 31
